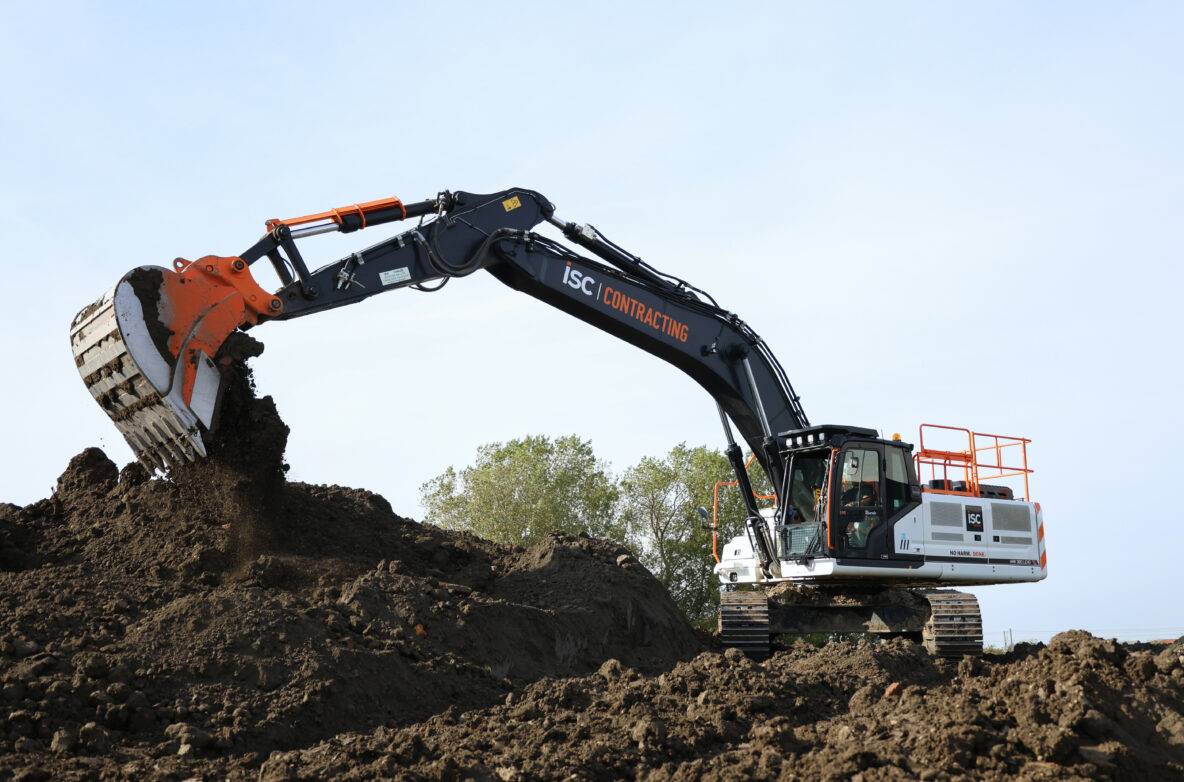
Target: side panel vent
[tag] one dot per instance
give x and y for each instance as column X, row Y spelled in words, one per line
column 946, row 514
column 1013, row 518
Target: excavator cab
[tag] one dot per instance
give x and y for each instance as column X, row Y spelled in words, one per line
column 864, row 548
column 847, row 487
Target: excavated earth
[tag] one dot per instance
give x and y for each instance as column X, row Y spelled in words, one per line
column 226, row 623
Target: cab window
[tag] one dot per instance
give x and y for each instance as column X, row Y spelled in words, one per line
column 809, row 475
column 896, row 483
column 860, row 487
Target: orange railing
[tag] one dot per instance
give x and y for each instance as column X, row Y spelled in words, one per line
column 715, row 507
column 979, row 462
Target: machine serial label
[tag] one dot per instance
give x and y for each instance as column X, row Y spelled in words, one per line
column 402, row 274
column 511, row 203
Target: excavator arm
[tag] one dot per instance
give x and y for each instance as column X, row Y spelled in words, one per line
column 149, row 350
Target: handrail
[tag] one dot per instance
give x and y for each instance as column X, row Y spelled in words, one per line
column 974, row 466
column 715, row 507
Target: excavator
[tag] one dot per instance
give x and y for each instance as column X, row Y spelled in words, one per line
column 853, row 541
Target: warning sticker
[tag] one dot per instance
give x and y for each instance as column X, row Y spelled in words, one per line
column 402, row 274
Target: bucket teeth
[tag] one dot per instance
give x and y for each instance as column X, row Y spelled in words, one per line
column 147, row 420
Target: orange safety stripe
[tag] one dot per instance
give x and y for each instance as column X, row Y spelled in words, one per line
column 830, row 473
column 715, row 522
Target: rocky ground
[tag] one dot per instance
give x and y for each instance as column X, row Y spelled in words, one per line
column 226, row 623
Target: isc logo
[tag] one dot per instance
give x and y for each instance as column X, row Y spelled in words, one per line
column 578, row 280
column 974, row 518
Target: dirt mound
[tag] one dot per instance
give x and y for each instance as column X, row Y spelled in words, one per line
column 225, row 612
column 227, row 624
column 356, row 618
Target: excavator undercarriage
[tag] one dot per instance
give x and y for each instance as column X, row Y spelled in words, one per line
column 947, row 622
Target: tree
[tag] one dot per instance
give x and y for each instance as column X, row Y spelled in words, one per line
column 520, row 491
column 659, row 502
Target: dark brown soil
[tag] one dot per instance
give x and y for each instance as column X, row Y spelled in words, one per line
column 1082, row 708
column 225, row 623
column 224, row 613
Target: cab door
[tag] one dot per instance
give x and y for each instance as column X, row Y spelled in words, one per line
column 860, row 496
column 902, row 501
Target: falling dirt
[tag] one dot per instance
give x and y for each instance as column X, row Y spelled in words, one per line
column 242, row 480
column 227, row 623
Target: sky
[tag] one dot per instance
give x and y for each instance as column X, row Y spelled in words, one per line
column 933, row 212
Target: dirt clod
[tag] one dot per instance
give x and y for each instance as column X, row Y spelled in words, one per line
column 89, row 471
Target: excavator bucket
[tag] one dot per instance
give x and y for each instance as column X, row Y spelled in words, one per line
column 148, row 351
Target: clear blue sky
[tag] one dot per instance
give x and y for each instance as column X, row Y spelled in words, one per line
column 933, row 212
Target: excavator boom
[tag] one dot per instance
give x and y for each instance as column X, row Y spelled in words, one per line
column 149, row 351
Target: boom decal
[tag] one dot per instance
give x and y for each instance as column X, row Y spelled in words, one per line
column 640, row 311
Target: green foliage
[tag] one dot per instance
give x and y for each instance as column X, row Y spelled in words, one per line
column 659, row 501
column 520, row 491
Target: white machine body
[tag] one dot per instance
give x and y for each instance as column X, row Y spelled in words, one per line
column 947, row 538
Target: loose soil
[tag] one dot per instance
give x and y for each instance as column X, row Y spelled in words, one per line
column 227, row 623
